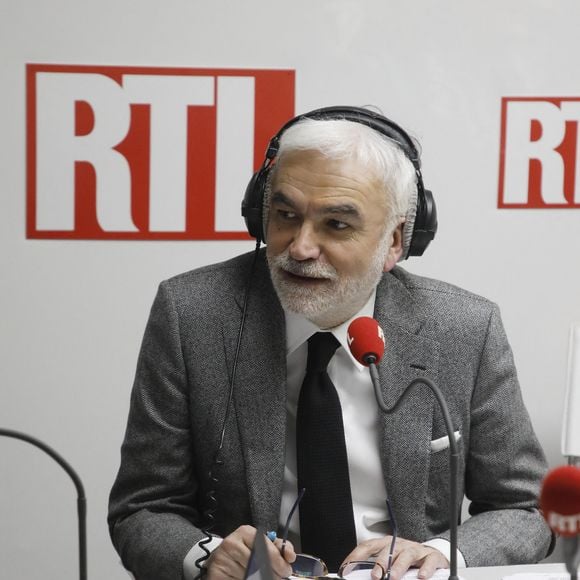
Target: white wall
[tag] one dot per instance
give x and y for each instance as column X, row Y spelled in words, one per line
column 72, row 312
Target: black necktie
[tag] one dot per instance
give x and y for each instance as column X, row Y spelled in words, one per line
column 326, row 516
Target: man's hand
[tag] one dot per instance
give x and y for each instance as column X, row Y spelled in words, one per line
column 407, row 554
column 230, row 558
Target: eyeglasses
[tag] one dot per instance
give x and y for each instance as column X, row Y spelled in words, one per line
column 307, row 566
column 360, row 569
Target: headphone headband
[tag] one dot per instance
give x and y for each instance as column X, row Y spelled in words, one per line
column 366, row 117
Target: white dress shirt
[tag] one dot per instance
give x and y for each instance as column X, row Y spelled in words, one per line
column 360, row 414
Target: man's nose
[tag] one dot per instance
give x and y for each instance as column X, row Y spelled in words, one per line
column 305, row 245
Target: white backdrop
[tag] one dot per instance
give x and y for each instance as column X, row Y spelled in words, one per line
column 72, row 313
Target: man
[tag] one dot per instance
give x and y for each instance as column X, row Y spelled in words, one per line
column 340, row 199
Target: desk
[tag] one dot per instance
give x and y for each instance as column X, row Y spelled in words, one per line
column 498, row 572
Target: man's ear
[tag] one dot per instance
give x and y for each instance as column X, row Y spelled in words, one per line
column 396, row 250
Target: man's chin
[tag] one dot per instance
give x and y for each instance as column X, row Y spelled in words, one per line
column 308, row 302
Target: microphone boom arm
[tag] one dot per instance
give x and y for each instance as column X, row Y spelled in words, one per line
column 81, row 498
column 453, row 449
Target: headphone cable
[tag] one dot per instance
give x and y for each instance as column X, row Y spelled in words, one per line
column 209, row 514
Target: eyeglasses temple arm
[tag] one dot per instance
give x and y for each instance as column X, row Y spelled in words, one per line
column 394, row 538
column 287, row 525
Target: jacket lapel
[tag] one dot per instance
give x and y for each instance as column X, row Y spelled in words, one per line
column 260, row 395
column 405, row 434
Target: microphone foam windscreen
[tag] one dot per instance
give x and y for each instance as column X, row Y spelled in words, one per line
column 560, row 500
column 365, row 337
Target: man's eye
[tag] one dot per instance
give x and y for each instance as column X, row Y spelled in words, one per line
column 286, row 215
column 338, row 225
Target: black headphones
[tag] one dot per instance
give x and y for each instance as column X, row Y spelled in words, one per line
column 424, row 226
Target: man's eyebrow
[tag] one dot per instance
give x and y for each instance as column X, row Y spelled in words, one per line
column 342, row 209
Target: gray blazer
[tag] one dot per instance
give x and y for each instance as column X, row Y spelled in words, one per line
column 160, row 497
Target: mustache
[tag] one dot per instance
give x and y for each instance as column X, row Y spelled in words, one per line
column 308, row 268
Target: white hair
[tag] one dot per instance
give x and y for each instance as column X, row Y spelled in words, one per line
column 339, row 139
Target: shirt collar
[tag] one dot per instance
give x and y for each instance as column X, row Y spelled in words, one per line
column 299, row 329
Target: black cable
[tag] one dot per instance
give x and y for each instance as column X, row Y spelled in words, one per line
column 209, row 514
column 81, row 498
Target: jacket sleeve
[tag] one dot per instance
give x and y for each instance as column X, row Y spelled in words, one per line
column 504, row 465
column 151, row 511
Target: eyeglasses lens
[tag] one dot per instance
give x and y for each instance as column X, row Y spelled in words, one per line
column 308, row 566
column 354, row 570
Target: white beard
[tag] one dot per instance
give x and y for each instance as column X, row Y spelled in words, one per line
column 334, row 301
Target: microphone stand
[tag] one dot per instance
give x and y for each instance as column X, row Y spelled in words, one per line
column 81, row 499
column 453, row 451
column 571, row 549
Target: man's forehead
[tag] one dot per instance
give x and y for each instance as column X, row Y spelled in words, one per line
column 342, row 183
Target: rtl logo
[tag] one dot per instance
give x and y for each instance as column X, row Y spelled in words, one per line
column 147, row 153
column 540, row 153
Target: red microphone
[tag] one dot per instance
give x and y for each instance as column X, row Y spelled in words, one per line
column 366, row 340
column 560, row 500
column 367, row 344
column 560, row 504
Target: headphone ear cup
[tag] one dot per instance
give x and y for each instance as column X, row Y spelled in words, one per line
column 425, row 226
column 253, row 204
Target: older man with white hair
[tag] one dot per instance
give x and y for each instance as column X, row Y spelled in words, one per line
column 224, row 430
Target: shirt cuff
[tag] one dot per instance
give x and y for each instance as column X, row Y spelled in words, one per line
column 190, row 570
column 445, row 548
